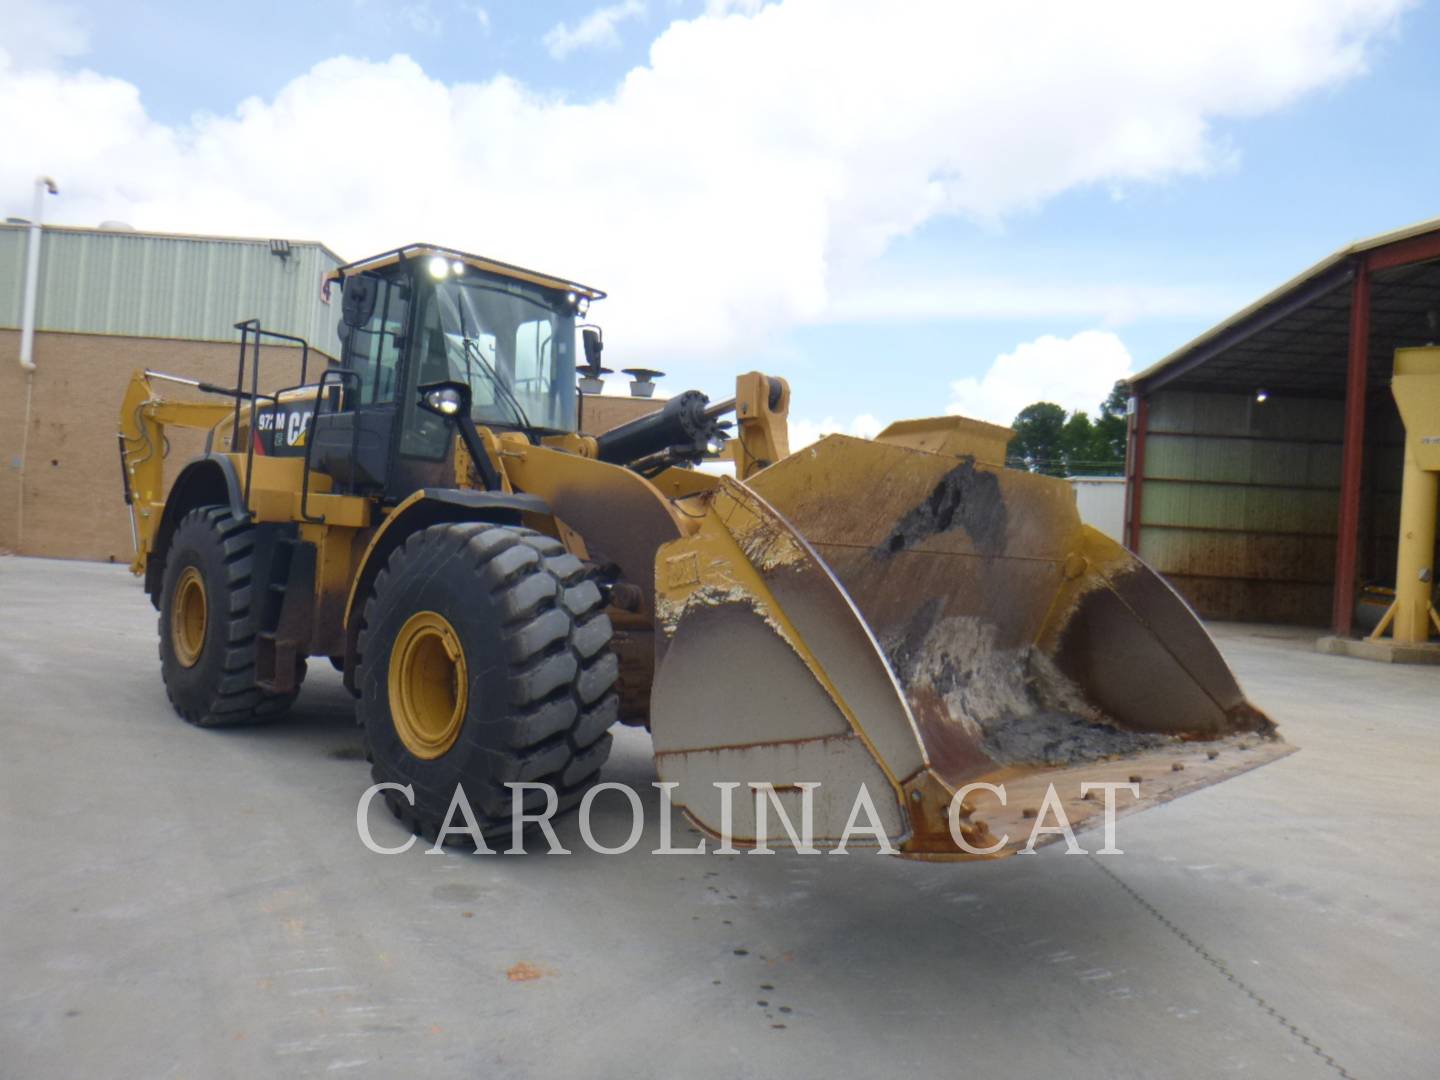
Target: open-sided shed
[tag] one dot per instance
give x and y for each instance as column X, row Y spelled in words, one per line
column 1263, row 476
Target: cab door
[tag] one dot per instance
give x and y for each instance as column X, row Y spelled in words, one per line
column 424, row 443
column 354, row 438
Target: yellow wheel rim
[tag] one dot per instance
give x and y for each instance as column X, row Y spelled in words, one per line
column 428, row 685
column 189, row 615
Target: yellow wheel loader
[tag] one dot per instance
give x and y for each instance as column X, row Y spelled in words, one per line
column 899, row 631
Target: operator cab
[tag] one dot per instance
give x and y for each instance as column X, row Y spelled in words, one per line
column 422, row 315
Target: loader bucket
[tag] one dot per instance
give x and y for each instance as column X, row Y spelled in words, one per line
column 891, row 615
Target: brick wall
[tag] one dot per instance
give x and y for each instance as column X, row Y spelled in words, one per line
column 73, row 508
column 599, row 413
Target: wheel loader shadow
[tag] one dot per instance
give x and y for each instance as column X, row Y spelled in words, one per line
column 323, row 722
column 823, row 935
column 322, row 717
column 1045, row 916
column 987, row 901
column 812, row 943
column 822, row 929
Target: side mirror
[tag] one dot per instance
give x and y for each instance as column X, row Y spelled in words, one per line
column 450, row 400
column 357, row 306
column 594, row 346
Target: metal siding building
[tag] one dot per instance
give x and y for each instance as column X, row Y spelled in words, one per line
column 109, row 302
column 1240, row 501
column 150, row 285
column 1280, row 507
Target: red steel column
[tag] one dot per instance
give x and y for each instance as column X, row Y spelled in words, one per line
column 1139, row 427
column 1348, row 534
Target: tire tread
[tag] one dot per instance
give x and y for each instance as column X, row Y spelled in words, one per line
column 559, row 667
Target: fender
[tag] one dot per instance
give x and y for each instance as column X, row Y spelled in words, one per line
column 206, row 481
column 426, row 507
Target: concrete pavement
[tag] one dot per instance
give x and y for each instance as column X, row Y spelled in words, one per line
column 186, row 903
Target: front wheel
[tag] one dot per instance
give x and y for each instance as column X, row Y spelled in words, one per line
column 484, row 658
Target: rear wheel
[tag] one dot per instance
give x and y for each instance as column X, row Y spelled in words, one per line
column 207, row 627
column 484, row 658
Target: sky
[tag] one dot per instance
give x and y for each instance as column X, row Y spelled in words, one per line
column 905, row 208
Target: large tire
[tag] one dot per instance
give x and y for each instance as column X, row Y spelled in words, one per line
column 208, row 663
column 523, row 627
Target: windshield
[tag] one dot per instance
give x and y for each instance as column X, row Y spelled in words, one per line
column 515, row 346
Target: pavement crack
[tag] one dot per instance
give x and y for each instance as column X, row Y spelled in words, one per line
column 1220, row 966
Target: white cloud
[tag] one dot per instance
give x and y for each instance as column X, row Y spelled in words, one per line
column 1075, row 373
column 725, row 7
column 736, row 184
column 596, row 31
column 947, row 297
column 37, row 35
column 803, row 432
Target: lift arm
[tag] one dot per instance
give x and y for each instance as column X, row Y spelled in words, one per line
column 143, row 419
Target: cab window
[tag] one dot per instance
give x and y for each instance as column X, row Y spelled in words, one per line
column 372, row 351
column 532, row 357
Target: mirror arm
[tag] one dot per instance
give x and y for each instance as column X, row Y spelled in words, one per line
column 476, row 449
column 464, row 424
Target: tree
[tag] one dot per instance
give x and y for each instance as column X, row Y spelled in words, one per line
column 1077, row 443
column 1038, row 444
column 1111, row 428
column 1048, row 441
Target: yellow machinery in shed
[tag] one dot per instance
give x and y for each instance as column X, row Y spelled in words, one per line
column 1416, row 386
column 897, row 617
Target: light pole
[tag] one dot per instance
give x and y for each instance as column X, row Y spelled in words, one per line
column 43, row 185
